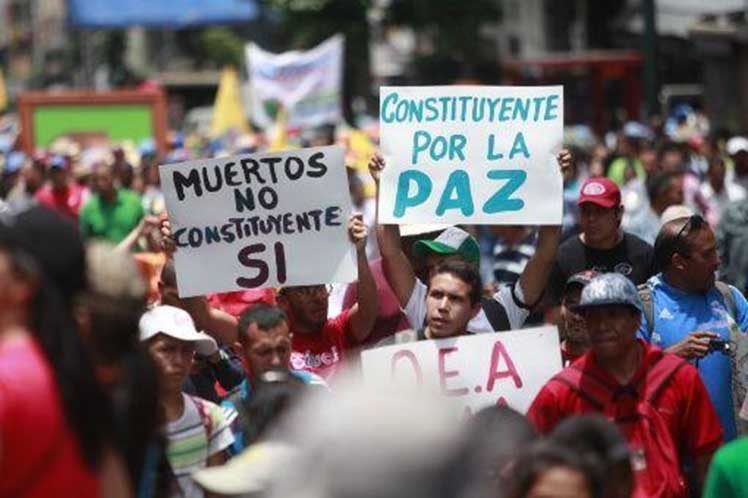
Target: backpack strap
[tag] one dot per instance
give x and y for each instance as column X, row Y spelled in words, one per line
column 645, row 294
column 496, row 314
column 660, row 373
column 595, row 391
column 729, row 298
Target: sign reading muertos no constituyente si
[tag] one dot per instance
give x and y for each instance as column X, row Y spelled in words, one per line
column 476, row 370
column 260, row 220
column 471, row 154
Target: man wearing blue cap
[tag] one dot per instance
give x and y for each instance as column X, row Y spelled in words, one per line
column 657, row 399
column 61, row 193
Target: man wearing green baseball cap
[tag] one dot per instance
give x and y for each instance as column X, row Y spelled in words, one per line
column 507, row 309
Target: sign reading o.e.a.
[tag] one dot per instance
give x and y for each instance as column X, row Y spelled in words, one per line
column 260, row 220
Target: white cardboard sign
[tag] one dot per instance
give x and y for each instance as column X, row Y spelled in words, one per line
column 475, row 370
column 307, row 84
column 260, row 220
column 471, row 155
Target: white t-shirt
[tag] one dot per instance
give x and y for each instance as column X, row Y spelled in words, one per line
column 415, row 310
column 193, row 438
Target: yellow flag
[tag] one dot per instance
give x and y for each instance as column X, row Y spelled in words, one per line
column 3, row 92
column 360, row 150
column 228, row 111
column 279, row 133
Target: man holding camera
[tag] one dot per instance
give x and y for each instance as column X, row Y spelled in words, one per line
column 688, row 313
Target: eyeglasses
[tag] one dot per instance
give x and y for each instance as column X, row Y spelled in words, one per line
column 694, row 222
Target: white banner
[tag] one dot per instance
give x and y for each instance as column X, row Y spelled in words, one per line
column 307, row 84
column 475, row 370
column 260, row 220
column 471, row 155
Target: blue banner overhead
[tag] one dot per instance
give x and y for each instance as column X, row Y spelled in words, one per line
column 159, row 13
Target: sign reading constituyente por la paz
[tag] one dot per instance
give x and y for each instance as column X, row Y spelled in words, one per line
column 261, row 220
column 471, row 155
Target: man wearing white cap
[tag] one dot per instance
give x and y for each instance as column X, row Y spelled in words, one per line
column 197, row 430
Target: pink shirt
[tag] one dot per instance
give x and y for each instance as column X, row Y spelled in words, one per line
column 40, row 455
column 67, row 201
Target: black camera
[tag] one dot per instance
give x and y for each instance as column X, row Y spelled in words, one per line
column 719, row 346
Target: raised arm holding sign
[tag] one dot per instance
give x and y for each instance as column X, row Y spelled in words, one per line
column 510, row 308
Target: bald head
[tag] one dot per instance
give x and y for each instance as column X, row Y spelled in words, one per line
column 686, row 249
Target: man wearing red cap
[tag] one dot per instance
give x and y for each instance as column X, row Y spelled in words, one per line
column 602, row 245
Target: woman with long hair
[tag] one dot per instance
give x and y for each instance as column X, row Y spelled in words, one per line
column 55, row 432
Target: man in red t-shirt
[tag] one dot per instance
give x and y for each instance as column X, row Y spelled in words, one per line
column 657, row 400
column 319, row 343
column 61, row 193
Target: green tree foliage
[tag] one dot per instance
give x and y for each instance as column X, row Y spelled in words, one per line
column 305, row 23
column 453, row 29
column 222, row 47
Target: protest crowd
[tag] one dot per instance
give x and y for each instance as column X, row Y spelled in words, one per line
column 118, row 380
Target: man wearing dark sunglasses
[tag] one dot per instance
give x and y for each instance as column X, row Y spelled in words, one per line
column 689, row 313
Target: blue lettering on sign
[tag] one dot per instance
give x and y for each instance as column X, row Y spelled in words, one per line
column 492, row 154
column 388, row 117
column 438, row 147
column 403, row 199
column 500, row 201
column 519, row 147
column 551, row 108
column 457, row 194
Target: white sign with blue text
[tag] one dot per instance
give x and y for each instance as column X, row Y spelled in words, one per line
column 471, row 155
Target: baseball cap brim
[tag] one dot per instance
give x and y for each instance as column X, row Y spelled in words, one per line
column 154, row 322
column 579, row 279
column 606, row 203
column 580, row 308
column 203, row 342
column 469, row 250
column 421, row 229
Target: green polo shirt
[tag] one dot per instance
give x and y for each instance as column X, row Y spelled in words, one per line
column 111, row 220
column 727, row 474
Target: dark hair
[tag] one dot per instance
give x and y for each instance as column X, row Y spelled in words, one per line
column 658, row 183
column 168, row 274
column 668, row 147
column 266, row 316
column 675, row 237
column 274, row 393
column 597, row 439
column 715, row 161
column 59, row 269
column 543, row 456
column 86, row 407
column 466, row 272
column 494, row 436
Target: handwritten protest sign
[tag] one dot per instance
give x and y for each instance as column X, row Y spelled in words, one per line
column 477, row 370
column 260, row 220
column 307, row 84
column 470, row 154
